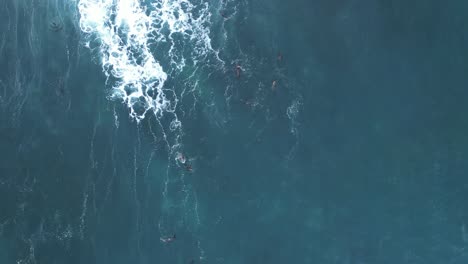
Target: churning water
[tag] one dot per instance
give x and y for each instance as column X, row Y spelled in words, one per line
column 233, row 131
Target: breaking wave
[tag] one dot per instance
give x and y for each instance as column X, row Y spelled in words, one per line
column 140, row 44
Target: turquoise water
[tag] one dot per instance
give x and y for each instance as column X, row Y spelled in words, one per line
column 122, row 127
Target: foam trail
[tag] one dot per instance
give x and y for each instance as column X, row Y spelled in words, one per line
column 292, row 112
column 140, row 45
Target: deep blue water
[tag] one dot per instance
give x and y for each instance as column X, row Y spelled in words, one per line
column 358, row 153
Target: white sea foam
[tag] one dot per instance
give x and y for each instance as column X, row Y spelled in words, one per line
column 141, row 45
column 126, row 29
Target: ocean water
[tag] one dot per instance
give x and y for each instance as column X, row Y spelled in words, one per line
column 254, row 131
